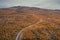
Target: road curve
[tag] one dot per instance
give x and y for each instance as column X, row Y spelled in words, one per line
column 20, row 32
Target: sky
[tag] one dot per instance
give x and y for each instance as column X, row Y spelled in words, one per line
column 47, row 4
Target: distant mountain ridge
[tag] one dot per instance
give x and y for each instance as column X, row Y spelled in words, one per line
column 28, row 7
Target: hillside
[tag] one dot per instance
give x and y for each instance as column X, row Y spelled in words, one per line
column 32, row 23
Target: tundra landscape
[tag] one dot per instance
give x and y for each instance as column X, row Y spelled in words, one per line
column 29, row 23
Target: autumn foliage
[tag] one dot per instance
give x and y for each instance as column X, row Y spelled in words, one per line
column 14, row 19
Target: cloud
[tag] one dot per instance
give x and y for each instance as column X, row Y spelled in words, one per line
column 49, row 4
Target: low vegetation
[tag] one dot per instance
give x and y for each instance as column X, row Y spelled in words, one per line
column 13, row 20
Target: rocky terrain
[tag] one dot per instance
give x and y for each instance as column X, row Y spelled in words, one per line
column 29, row 23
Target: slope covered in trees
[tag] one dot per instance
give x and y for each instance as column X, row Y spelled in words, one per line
column 15, row 19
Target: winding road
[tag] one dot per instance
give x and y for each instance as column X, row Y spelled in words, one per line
column 19, row 36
